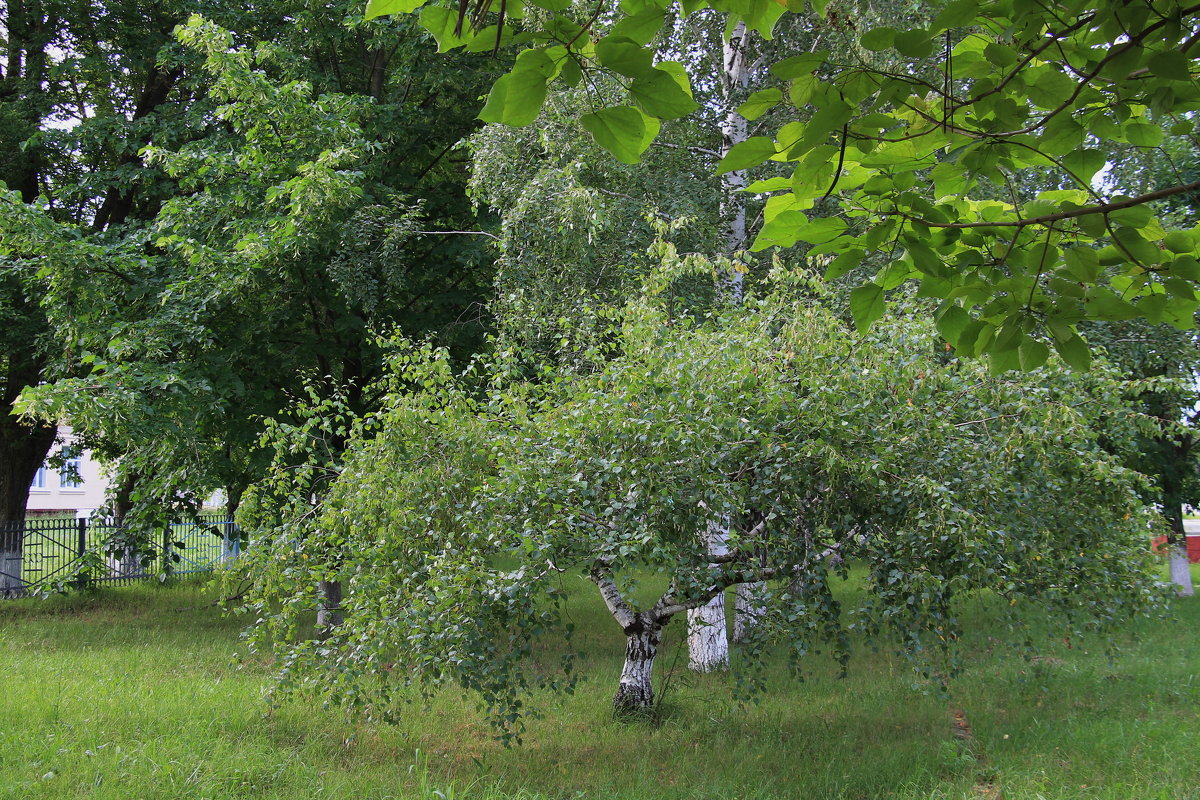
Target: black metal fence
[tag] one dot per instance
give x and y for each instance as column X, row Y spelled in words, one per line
column 43, row 555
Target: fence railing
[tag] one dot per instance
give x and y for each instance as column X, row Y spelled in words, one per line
column 41, row 555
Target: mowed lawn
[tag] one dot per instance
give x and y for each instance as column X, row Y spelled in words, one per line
column 146, row 692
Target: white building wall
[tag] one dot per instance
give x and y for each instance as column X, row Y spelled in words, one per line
column 56, row 493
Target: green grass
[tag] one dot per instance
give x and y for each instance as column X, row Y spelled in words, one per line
column 136, row 693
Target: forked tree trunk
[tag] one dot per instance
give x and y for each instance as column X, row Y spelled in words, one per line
column 708, row 639
column 329, row 605
column 642, row 638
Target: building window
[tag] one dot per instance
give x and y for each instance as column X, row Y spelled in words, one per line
column 39, row 479
column 69, row 477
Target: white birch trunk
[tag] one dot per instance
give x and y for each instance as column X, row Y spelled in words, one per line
column 735, row 81
column 747, row 610
column 231, row 548
column 1181, row 573
column 329, row 605
column 708, row 639
column 636, row 692
column 124, row 563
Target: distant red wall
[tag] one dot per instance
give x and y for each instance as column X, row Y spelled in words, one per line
column 1193, row 547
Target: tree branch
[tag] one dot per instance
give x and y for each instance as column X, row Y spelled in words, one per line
column 1100, row 208
column 617, row 606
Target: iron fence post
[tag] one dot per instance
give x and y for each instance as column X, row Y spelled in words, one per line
column 82, row 536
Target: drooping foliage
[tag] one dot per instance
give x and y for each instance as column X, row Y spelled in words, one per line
column 458, row 522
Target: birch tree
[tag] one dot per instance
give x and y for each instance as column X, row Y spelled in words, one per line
column 940, row 480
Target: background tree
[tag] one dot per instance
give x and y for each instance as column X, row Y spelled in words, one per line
column 272, row 230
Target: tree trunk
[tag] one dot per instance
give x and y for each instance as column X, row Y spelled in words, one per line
column 1172, row 499
column 708, row 640
column 329, row 605
column 231, row 542
column 123, row 560
column 735, row 81
column 642, row 638
column 23, row 450
column 747, row 610
column 1181, row 573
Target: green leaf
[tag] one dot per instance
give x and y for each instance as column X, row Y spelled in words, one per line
column 624, row 56
column 749, row 153
column 866, row 305
column 1002, row 361
column 1032, row 354
column 1047, row 87
column 760, row 103
column 1084, row 163
column 1186, row 267
column 485, row 40
column 1103, row 303
column 1171, row 64
column 1143, row 134
column 1179, row 242
column 878, row 38
column 1074, row 351
column 797, row 66
column 441, row 21
column 802, row 90
column 999, row 54
column 516, row 98
column 379, row 8
column 951, row 322
column 640, row 27
column 819, row 231
column 914, row 43
column 844, row 263
column 956, row 15
column 659, row 94
column 623, row 131
column 780, row 231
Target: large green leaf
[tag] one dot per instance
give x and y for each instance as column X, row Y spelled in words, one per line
column 866, row 305
column 624, row 56
column 760, row 103
column 749, row 153
column 659, row 94
column 379, row 8
column 441, row 21
column 623, row 131
column 516, row 98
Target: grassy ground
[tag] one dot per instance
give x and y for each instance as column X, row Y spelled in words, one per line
column 135, row 693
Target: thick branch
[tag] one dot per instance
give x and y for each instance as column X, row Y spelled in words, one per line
column 1045, row 219
column 617, row 606
column 668, row 606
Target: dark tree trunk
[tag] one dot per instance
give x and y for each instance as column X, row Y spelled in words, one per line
column 123, row 559
column 642, row 638
column 23, row 449
column 118, row 202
